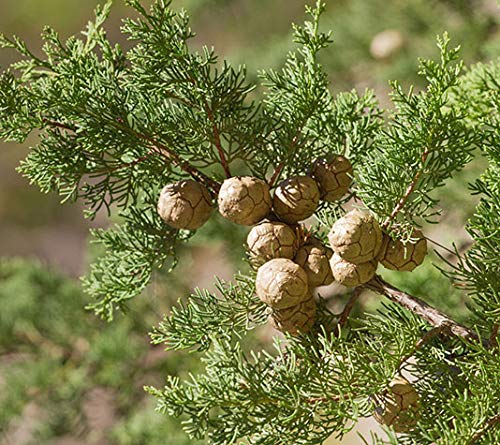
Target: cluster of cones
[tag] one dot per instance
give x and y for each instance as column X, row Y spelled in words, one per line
column 247, row 200
column 290, row 262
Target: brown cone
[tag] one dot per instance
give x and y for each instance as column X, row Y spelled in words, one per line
column 333, row 177
column 244, row 200
column 356, row 237
column 281, row 283
column 399, row 406
column 396, row 255
column 270, row 240
column 350, row 274
column 185, row 205
column 296, row 199
column 298, row 318
column 314, row 259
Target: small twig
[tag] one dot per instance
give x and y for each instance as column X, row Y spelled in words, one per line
column 490, row 423
column 127, row 164
column 344, row 315
column 281, row 166
column 335, row 398
column 428, row 336
column 217, row 142
column 180, row 99
column 493, row 335
column 58, row 124
column 309, row 400
column 450, row 252
column 407, row 193
column 276, row 174
column 156, row 147
column 179, row 162
column 430, row 314
column 135, row 161
column 215, row 130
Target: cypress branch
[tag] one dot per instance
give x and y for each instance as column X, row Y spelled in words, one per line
column 116, row 126
column 433, row 316
column 490, row 423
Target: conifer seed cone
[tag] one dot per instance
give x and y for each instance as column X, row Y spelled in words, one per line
column 399, row 406
column 356, row 237
column 271, row 239
column 396, row 255
column 281, row 283
column 244, row 200
column 350, row 274
column 334, row 176
column 296, row 199
column 314, row 259
column 185, row 205
column 295, row 319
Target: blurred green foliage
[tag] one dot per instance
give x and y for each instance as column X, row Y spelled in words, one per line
column 53, row 353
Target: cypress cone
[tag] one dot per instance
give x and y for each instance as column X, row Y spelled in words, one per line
column 281, row 283
column 334, row 176
column 185, row 205
column 396, row 255
column 271, row 239
column 314, row 259
column 296, row 199
column 399, row 406
column 296, row 319
column 356, row 237
column 244, row 200
column 350, row 274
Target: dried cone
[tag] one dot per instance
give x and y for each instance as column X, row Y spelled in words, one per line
column 333, row 177
column 244, row 200
column 281, row 283
column 185, row 205
column 296, row 319
column 399, row 406
column 296, row 199
column 396, row 255
column 356, row 237
column 314, row 259
column 270, row 240
column 350, row 274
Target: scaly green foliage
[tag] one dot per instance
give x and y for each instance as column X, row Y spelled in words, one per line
column 426, row 142
column 115, row 126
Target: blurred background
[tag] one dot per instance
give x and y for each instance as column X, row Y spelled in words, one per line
column 67, row 378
